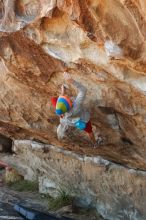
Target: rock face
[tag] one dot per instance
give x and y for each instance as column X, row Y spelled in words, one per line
column 101, row 43
column 116, row 192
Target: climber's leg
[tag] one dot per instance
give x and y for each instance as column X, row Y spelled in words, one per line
column 90, row 133
column 91, row 136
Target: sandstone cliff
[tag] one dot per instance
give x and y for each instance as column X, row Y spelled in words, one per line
column 102, row 44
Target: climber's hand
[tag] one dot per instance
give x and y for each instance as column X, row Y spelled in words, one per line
column 67, row 77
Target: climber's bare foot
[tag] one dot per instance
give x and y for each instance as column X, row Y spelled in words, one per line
column 99, row 141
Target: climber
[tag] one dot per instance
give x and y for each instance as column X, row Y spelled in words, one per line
column 73, row 112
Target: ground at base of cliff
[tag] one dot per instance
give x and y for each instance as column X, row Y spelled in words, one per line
column 9, row 197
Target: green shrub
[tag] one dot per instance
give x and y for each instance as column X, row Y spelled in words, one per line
column 24, row 185
column 63, row 199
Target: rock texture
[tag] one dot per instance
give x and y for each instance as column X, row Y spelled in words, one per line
column 102, row 44
column 116, row 192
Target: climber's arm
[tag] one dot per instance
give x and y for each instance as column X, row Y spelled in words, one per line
column 81, row 93
column 81, row 90
column 64, row 87
column 62, row 90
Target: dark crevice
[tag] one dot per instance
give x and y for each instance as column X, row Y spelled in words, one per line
column 5, row 144
column 126, row 140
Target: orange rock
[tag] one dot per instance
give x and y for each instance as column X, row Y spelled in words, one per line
column 102, row 44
